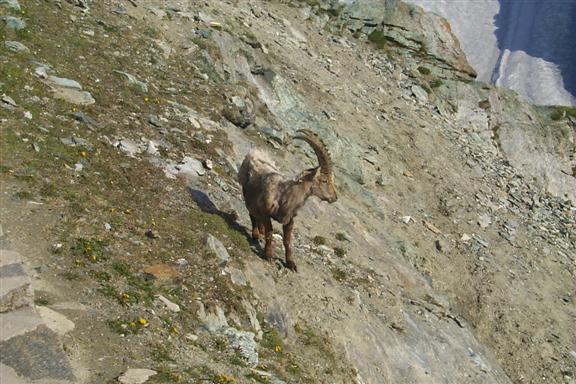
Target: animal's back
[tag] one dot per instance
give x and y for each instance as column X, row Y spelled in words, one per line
column 256, row 162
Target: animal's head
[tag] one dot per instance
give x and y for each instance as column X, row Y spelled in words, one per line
column 322, row 177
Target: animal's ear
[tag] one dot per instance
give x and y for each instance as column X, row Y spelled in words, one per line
column 310, row 174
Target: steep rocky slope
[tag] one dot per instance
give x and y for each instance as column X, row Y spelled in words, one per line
column 447, row 258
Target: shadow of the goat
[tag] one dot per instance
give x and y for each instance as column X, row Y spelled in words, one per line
column 206, row 205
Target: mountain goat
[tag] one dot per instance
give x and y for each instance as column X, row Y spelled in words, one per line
column 270, row 195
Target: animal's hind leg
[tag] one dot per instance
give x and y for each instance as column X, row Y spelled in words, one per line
column 288, row 246
column 256, row 231
column 268, row 246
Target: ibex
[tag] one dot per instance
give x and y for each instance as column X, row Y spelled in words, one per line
column 270, row 195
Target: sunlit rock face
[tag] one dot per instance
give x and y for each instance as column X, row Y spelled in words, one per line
column 526, row 46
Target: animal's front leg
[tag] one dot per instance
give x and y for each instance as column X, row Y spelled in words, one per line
column 268, row 246
column 255, row 228
column 288, row 245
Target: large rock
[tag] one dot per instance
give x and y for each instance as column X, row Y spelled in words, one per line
column 15, row 289
column 14, row 23
column 136, row 376
column 396, row 25
column 212, row 321
column 239, row 110
column 409, row 26
column 11, row 4
column 216, row 248
column 16, row 46
column 244, row 343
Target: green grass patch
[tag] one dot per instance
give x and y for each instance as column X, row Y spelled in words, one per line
column 89, row 249
column 436, row 83
column 319, row 240
column 424, row 70
column 338, row 274
column 560, row 112
column 271, row 339
column 378, row 38
column 340, row 252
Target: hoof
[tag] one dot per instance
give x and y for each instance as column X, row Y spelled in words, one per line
column 291, row 266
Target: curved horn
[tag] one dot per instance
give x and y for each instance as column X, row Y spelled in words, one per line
column 319, row 148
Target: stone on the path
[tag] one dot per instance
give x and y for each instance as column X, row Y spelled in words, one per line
column 9, row 257
column 136, row 376
column 134, row 82
column 55, row 321
column 216, row 248
column 170, row 305
column 14, row 23
column 15, row 288
column 243, row 342
column 16, row 46
column 36, row 355
column 18, row 322
column 9, row 375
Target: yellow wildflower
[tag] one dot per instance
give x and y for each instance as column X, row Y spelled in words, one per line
column 277, row 349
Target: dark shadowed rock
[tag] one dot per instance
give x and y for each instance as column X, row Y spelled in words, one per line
column 36, row 355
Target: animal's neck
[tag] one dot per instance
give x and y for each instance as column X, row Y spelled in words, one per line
column 299, row 191
column 293, row 197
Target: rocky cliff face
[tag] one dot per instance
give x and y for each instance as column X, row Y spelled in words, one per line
column 522, row 45
column 448, row 257
column 400, row 27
